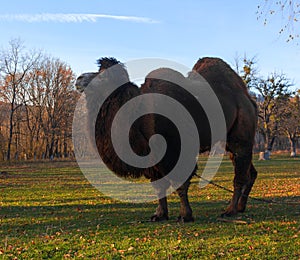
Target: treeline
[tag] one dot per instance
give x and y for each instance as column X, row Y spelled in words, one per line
column 37, row 101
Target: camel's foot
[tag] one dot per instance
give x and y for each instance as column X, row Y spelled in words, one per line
column 156, row 218
column 229, row 213
column 241, row 208
column 242, row 204
column 185, row 219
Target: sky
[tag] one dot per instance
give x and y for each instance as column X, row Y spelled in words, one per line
column 79, row 32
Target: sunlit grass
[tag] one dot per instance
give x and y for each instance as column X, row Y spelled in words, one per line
column 49, row 210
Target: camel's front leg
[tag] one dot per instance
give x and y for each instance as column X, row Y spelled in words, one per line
column 161, row 212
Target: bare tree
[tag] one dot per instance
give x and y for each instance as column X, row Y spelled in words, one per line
column 15, row 66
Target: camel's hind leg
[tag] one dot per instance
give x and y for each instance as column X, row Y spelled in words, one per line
column 240, row 140
column 241, row 180
column 252, row 174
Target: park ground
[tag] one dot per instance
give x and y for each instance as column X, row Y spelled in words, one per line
column 48, row 210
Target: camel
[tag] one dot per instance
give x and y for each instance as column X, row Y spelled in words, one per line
column 240, row 114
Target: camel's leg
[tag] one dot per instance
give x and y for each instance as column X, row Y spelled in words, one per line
column 161, row 212
column 241, row 179
column 186, row 213
column 246, row 190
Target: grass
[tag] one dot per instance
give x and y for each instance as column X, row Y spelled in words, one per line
column 50, row 211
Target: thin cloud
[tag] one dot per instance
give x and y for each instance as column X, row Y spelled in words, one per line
column 72, row 18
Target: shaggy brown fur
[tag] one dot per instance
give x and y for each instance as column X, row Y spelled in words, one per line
column 240, row 115
column 140, row 132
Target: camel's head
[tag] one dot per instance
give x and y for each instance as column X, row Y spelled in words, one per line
column 116, row 72
column 84, row 80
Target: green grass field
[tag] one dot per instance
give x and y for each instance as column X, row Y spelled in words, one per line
column 50, row 211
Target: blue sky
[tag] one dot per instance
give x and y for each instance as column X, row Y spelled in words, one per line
column 79, row 32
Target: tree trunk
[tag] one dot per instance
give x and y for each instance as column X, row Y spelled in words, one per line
column 10, row 137
column 268, row 146
column 293, row 142
column 271, row 143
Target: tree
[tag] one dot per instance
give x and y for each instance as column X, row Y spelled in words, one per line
column 290, row 121
column 248, row 71
column 59, row 103
column 271, row 93
column 289, row 11
column 2, row 130
column 50, row 106
column 16, row 64
column 37, row 101
column 34, row 110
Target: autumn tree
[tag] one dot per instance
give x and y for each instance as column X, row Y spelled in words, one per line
column 273, row 91
column 48, row 112
column 59, row 104
column 34, row 110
